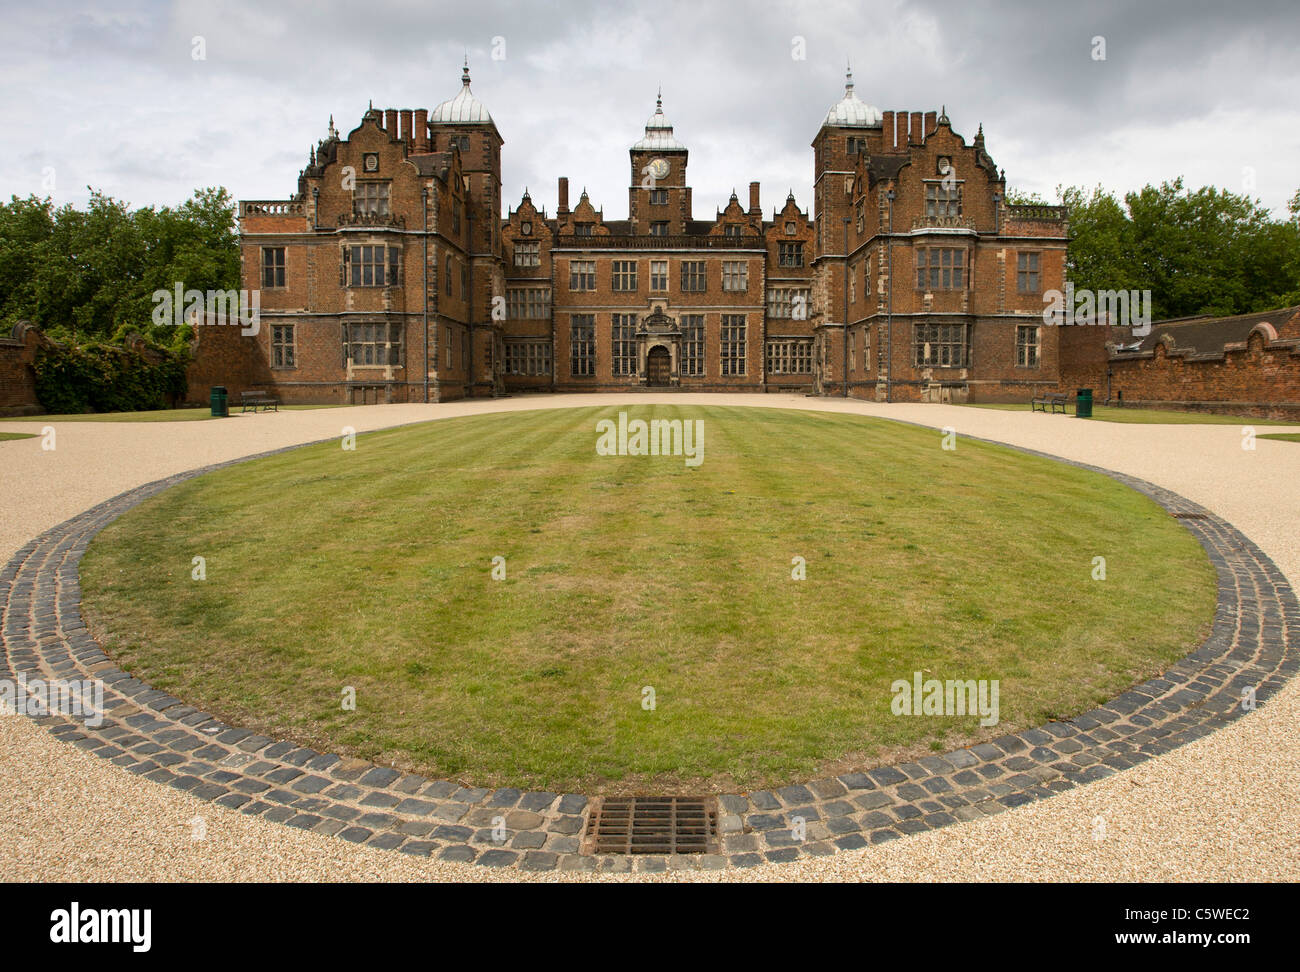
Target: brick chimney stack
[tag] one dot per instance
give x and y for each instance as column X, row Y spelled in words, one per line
column 563, row 206
column 422, row 129
column 390, row 122
column 931, row 122
column 914, row 136
column 754, row 207
column 406, row 127
column 887, row 131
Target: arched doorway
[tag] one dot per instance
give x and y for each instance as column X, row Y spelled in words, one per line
column 658, row 366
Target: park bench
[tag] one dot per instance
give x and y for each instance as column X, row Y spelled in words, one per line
column 1049, row 402
column 256, row 400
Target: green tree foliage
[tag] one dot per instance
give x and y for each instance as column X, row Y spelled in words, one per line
column 1204, row 252
column 90, row 275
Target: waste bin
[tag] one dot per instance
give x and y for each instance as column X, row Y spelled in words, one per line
column 1083, row 403
column 220, row 402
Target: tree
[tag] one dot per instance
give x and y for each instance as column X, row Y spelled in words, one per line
column 1205, row 252
column 90, row 274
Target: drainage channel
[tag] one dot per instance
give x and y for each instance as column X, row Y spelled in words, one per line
column 653, row 825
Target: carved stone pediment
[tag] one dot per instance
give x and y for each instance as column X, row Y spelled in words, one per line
column 657, row 322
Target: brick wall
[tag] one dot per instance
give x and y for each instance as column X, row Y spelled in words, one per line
column 17, row 370
column 1260, row 380
column 221, row 355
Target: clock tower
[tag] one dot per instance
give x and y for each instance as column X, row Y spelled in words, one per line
column 659, row 201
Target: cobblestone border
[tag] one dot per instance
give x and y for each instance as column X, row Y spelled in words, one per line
column 160, row 738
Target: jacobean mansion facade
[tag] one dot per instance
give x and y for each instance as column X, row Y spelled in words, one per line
column 390, row 275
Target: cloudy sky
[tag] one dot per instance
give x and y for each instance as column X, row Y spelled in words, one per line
column 113, row 94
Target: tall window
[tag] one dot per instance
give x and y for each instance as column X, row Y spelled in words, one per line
column 373, row 344
column 455, row 215
column 693, row 280
column 623, row 342
column 464, row 280
column 658, row 274
column 790, row 254
column 528, row 254
column 582, row 274
column 789, row 356
column 371, row 266
column 272, row 266
column 624, row 275
column 582, row 345
column 692, row 345
column 940, row 269
column 857, row 145
column 866, row 349
column 282, row 346
column 658, row 197
column 1027, row 346
column 1028, row 280
column 941, row 200
column 941, row 345
column 853, row 351
column 528, row 303
column 370, row 198
column 733, row 344
column 447, row 264
column 735, row 275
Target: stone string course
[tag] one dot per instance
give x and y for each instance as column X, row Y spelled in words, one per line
column 160, row 738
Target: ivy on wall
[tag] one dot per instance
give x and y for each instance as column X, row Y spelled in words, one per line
column 107, row 378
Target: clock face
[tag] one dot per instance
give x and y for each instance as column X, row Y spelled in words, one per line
column 659, row 168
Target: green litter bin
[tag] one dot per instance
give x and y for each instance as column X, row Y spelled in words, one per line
column 220, row 402
column 1083, row 403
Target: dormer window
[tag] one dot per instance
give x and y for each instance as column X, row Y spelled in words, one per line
column 582, row 229
column 731, row 229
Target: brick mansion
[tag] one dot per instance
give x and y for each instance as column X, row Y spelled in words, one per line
column 390, row 275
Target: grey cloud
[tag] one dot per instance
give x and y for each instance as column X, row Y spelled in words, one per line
column 579, row 79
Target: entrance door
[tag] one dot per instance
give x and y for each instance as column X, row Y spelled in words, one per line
column 658, row 366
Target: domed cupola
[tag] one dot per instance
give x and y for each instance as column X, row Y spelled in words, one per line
column 658, row 132
column 851, row 111
column 464, row 109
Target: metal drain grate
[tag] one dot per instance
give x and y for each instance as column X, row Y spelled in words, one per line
column 653, row 825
